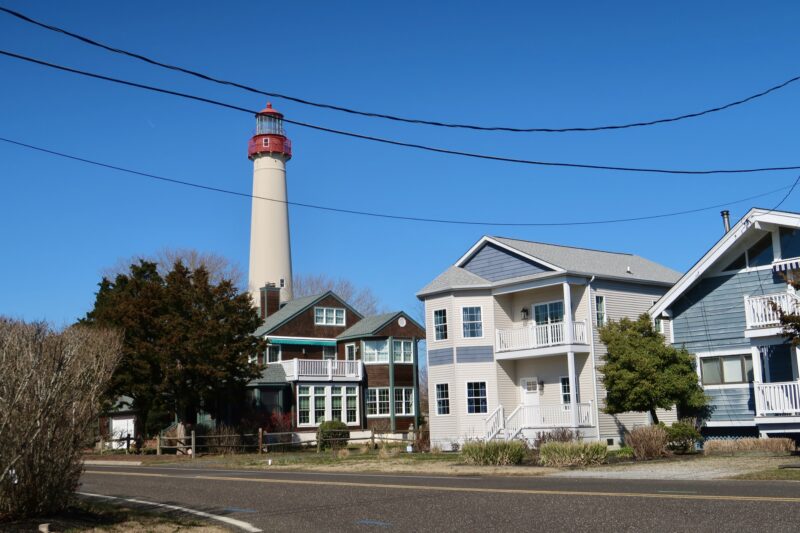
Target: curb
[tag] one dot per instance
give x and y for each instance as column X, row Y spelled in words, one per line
column 113, row 463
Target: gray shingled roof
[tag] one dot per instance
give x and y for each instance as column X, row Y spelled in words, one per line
column 286, row 312
column 595, row 262
column 454, row 278
column 273, row 373
column 570, row 259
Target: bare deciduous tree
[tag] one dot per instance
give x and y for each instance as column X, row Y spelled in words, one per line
column 218, row 267
column 50, row 392
column 362, row 299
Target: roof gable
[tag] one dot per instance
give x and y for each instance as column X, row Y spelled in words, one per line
column 374, row 326
column 755, row 219
column 294, row 308
column 494, row 263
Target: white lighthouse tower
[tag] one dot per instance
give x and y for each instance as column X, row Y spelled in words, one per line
column 270, row 249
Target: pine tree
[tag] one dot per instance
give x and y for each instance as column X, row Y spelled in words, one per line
column 642, row 373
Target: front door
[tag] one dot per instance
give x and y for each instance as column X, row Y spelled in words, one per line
column 529, row 388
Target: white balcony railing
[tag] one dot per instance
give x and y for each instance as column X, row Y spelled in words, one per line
column 546, row 417
column 539, row 336
column 777, row 398
column 763, row 311
column 324, row 369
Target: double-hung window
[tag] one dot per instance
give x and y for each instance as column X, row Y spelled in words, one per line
column 351, row 404
column 329, row 352
column 336, row 403
column 565, row 399
column 440, row 324
column 378, row 401
column 476, row 397
column 442, row 399
column 376, row 351
column 402, row 352
column 304, row 404
column 600, row 310
column 273, row 353
column 319, row 404
column 403, row 401
column 329, row 316
column 471, row 322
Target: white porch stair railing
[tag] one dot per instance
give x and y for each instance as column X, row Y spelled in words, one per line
column 777, row 398
column 539, row 336
column 764, row 311
column 535, row 417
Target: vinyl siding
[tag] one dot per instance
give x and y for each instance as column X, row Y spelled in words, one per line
column 495, row 264
column 711, row 315
column 474, row 354
column 732, row 404
column 441, row 356
column 622, row 300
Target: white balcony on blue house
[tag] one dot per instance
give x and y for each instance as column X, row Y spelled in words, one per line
column 763, row 313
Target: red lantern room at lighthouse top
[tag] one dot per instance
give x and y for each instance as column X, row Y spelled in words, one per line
column 270, row 137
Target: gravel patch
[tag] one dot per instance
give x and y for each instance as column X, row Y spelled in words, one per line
column 698, row 467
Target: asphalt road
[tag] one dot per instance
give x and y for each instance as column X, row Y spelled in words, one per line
column 308, row 501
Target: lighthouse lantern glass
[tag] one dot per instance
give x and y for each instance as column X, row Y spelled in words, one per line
column 269, row 125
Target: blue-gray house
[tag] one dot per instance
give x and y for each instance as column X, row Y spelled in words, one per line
column 725, row 310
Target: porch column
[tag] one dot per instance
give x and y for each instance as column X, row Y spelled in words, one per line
column 757, row 377
column 391, row 385
column 568, row 318
column 573, row 389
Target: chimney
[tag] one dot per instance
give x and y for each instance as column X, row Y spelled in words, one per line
column 726, row 220
column 270, row 300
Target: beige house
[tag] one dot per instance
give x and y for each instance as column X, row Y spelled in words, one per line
column 513, row 348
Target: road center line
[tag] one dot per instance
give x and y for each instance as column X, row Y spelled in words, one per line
column 230, row 521
column 484, row 490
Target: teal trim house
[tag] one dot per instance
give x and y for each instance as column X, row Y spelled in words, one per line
column 726, row 310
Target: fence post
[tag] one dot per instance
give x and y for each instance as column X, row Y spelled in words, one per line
column 372, row 438
column 158, row 444
column 101, row 445
column 127, row 443
column 194, row 449
column 260, row 440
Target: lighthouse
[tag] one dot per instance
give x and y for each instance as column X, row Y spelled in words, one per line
column 270, row 249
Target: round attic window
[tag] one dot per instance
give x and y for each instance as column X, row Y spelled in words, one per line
column 401, row 322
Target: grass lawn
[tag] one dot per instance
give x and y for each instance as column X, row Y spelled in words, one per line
column 102, row 517
column 773, row 474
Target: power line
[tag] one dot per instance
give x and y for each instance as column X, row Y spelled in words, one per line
column 387, row 216
column 394, row 142
column 396, row 118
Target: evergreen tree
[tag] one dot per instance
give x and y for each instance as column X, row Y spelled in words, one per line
column 643, row 373
column 187, row 340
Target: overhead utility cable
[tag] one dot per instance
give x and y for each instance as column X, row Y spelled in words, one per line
column 393, row 142
column 394, row 217
column 396, row 118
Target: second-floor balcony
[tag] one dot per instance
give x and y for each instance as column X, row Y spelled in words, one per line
column 539, row 336
column 765, row 311
column 322, row 370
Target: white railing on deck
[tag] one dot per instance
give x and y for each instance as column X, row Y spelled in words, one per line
column 321, row 368
column 495, row 423
column 777, row 398
column 539, row 336
column 763, row 311
column 545, row 417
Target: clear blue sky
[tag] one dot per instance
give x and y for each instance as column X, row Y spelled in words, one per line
column 559, row 64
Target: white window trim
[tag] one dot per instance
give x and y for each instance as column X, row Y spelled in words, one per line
column 446, row 325
column 535, row 305
column 346, row 347
column 483, row 322
column 329, row 403
column 391, row 353
column 364, row 352
column 334, row 309
column 436, row 399
column 280, row 353
column 466, row 397
column 725, row 353
column 561, row 389
column 597, row 311
column 413, row 410
column 378, row 402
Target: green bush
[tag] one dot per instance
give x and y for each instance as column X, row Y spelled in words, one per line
column 624, row 452
column 497, row 453
column 647, row 442
column 682, row 436
column 332, row 434
column 572, row 453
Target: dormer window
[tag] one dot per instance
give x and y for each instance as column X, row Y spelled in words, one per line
column 329, row 316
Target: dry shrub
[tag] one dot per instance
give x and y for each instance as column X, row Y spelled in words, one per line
column 776, row 445
column 556, row 435
column 344, row 453
column 497, row 453
column 560, row 454
column 436, row 450
column 388, row 451
column 222, row 439
column 51, row 385
column 647, row 442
